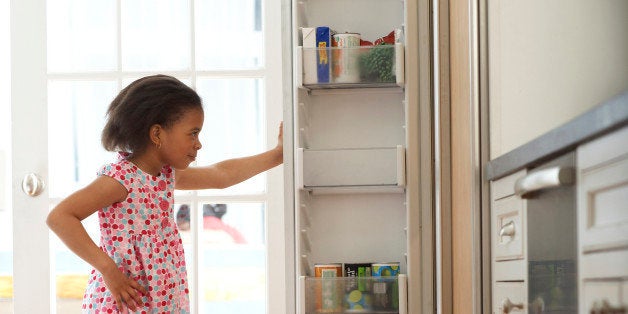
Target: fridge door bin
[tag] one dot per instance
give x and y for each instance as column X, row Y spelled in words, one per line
column 355, row 169
column 339, row 295
column 353, row 67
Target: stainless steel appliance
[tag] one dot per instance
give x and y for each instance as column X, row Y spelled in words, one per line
column 552, row 235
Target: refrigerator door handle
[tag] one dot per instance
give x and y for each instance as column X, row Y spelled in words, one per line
column 544, row 179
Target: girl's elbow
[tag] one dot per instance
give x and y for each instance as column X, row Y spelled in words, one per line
column 53, row 221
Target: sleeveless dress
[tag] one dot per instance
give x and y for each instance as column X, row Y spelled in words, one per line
column 141, row 236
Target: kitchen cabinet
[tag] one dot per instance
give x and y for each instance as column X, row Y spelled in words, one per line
column 571, row 187
column 550, row 61
column 508, row 249
column 350, row 139
column 603, row 222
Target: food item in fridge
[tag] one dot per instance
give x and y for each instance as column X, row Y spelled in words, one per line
column 357, row 270
column 309, row 55
column 386, row 290
column 377, row 65
column 345, row 57
column 323, row 60
column 328, row 289
column 385, row 269
column 357, row 301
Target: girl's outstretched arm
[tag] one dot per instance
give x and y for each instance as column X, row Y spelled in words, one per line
column 231, row 171
column 65, row 221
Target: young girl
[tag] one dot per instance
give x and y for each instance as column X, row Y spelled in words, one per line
column 140, row 266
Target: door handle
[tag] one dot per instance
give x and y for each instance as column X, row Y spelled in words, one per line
column 508, row 306
column 33, row 184
column 544, row 179
column 507, row 229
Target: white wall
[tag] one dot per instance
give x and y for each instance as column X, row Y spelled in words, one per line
column 550, row 61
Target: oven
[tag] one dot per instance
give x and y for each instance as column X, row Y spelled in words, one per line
column 550, row 194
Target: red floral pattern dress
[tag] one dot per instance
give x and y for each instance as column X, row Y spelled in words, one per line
column 141, row 236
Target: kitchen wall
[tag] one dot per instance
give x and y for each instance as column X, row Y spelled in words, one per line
column 550, row 61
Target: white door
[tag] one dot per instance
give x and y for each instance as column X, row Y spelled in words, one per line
column 69, row 58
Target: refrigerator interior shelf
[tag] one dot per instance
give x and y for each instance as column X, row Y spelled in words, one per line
column 368, row 170
column 339, row 295
column 380, row 66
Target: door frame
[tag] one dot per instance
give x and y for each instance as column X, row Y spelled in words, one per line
column 462, row 198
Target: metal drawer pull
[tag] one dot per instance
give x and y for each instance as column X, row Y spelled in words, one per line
column 507, row 230
column 543, row 179
column 508, row 306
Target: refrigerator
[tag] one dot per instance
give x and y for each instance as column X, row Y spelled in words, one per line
column 353, row 120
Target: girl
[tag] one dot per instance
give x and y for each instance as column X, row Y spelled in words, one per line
column 154, row 123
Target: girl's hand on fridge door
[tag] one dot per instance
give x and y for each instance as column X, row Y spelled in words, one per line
column 126, row 292
column 280, row 138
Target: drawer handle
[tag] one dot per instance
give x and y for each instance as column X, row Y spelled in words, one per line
column 507, row 230
column 544, row 179
column 603, row 307
column 508, row 306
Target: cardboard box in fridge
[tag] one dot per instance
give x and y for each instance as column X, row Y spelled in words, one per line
column 309, row 55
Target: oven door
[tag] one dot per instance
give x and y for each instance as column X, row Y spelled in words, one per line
column 551, row 244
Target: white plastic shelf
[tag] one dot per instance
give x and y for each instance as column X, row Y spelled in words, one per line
column 351, row 170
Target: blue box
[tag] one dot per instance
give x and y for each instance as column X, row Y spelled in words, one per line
column 323, row 54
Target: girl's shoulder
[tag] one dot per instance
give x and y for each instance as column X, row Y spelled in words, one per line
column 121, row 166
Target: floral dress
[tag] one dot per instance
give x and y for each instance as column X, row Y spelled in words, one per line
column 140, row 235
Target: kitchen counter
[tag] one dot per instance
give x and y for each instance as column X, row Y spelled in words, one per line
column 604, row 118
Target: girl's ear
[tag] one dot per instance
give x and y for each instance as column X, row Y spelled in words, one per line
column 155, row 133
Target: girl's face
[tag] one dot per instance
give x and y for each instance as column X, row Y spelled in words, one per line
column 180, row 142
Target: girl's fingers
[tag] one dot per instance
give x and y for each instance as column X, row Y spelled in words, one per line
column 128, row 299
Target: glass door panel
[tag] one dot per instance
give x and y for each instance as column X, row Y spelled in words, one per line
column 95, row 49
column 229, row 34
column 82, row 36
column 155, row 35
column 234, row 126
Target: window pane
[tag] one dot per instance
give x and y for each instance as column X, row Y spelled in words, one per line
column 228, row 34
column 76, row 116
column 82, row 35
column 232, row 270
column 155, row 35
column 234, row 125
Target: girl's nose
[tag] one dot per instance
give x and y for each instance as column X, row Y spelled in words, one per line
column 198, row 145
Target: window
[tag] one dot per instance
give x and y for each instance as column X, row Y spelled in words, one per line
column 220, row 48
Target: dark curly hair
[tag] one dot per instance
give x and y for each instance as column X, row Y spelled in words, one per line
column 157, row 99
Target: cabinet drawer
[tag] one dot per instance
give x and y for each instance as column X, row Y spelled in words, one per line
column 603, row 206
column 514, row 270
column 608, row 264
column 601, row 297
column 508, row 229
column 505, row 186
column 509, row 297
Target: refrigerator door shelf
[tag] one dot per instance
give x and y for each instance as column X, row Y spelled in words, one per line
column 360, row 60
column 338, row 295
column 370, row 170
